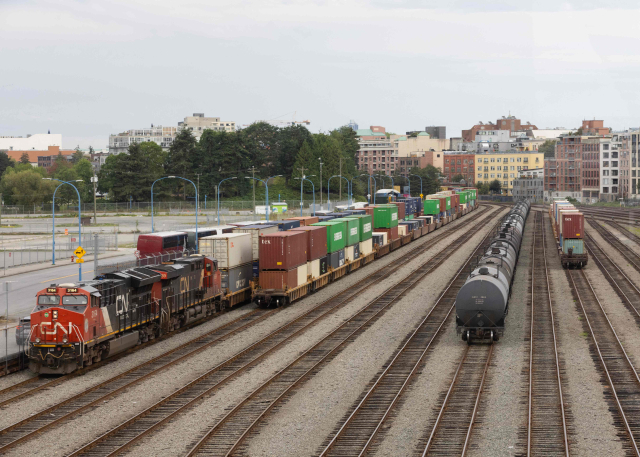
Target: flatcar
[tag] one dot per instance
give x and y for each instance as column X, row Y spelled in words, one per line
column 482, row 302
column 75, row 325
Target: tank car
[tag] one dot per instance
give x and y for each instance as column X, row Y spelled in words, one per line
column 482, row 302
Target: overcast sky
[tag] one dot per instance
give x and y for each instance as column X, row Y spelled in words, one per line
column 86, row 69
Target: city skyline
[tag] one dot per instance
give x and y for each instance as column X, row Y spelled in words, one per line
column 87, row 71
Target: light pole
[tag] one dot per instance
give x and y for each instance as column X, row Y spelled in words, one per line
column 329, row 189
column 53, row 230
column 420, row 184
column 194, row 188
column 314, row 196
column 314, row 193
column 94, row 180
column 225, row 179
column 266, row 185
column 302, row 201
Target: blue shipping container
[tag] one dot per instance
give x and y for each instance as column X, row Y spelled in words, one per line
column 576, row 245
column 286, row 225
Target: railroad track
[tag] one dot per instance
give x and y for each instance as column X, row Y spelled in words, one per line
column 229, row 433
column 357, row 433
column 626, row 232
column 624, row 250
column 131, row 431
column 618, row 371
column 36, row 384
column 451, row 432
column 546, row 432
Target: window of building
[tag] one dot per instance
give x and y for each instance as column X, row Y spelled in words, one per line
column 614, row 163
column 493, row 168
column 479, row 168
column 479, row 175
column 493, row 160
column 512, row 159
column 486, row 160
column 493, row 175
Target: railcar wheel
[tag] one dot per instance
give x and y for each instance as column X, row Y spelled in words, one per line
column 469, row 337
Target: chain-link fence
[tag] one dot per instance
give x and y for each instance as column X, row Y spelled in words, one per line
column 41, row 253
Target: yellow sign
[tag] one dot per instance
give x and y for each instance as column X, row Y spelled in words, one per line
column 421, row 195
column 79, row 252
column 78, row 260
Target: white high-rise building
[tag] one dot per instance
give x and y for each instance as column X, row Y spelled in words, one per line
column 37, row 142
column 198, row 124
column 162, row 136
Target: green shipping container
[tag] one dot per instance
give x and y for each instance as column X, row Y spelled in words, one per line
column 408, row 217
column 385, row 216
column 353, row 229
column 431, row 207
column 463, row 196
column 336, row 234
column 577, row 245
column 366, row 228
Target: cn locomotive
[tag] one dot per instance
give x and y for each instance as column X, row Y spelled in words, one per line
column 76, row 325
column 482, row 302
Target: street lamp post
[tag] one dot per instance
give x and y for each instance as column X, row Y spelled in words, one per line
column 53, row 229
column 314, row 193
column 266, row 185
column 329, row 189
column 218, row 193
column 420, row 184
column 194, row 187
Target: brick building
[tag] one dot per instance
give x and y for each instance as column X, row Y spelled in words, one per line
column 376, row 152
column 459, row 164
column 42, row 158
column 506, row 123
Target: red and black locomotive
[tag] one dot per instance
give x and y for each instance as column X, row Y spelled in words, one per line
column 75, row 325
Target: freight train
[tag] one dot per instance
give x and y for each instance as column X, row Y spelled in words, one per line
column 482, row 302
column 76, row 325
column 568, row 229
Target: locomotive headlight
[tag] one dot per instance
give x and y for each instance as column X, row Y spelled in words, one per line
column 64, row 339
column 37, row 340
column 55, row 314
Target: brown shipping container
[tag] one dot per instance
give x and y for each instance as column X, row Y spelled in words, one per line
column 369, row 210
column 455, row 200
column 392, row 233
column 401, row 210
column 572, row 225
column 275, row 279
column 304, row 220
column 316, row 241
column 443, row 204
column 283, row 250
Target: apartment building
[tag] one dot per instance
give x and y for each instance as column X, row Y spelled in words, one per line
column 198, row 123
column 459, row 164
column 510, row 123
column 37, row 142
column 44, row 158
column 505, row 166
column 376, row 152
column 634, row 166
column 162, row 136
column 529, row 187
column 614, row 166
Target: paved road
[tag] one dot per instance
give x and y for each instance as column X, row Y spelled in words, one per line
column 24, row 287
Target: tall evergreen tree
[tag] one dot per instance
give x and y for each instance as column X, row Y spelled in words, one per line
column 182, row 157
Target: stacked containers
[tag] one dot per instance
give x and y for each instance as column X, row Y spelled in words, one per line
column 366, row 231
column 431, row 207
column 304, row 220
column 283, row 260
column 401, row 209
column 336, row 238
column 287, row 224
column 455, row 202
column 234, row 255
column 386, row 220
column 316, row 249
column 352, row 240
column 256, row 231
column 370, row 210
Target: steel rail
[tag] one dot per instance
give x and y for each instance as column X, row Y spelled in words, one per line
column 630, row 256
column 607, row 373
column 540, row 225
column 350, row 294
column 391, row 365
column 477, row 403
column 299, row 378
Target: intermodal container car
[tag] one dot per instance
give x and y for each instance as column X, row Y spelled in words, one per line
column 279, row 279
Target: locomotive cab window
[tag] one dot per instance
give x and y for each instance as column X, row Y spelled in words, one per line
column 49, row 300
column 74, row 300
column 208, row 267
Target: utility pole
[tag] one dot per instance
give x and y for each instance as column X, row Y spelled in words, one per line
column 94, row 180
column 253, row 184
column 320, row 159
column 340, row 199
column 198, row 187
column 301, row 187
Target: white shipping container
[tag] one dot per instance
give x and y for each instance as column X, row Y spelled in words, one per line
column 366, row 247
column 302, row 274
column 384, row 237
column 313, row 268
column 402, row 230
column 348, row 253
column 256, row 233
column 229, row 249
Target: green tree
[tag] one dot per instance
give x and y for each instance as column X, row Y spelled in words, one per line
column 430, row 178
column 305, row 163
column 548, row 148
column 26, row 187
column 495, row 186
column 182, row 157
column 77, row 155
column 483, row 188
column 5, row 162
column 24, row 158
column 457, row 178
column 290, row 140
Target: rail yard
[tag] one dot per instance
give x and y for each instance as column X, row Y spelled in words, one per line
column 478, row 329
